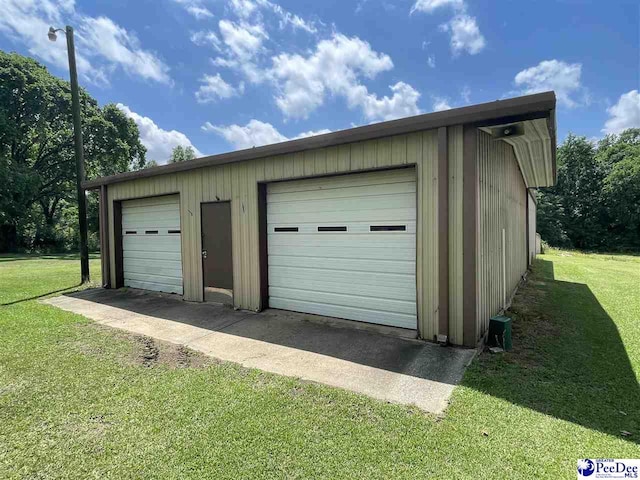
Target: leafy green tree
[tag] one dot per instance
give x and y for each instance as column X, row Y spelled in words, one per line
column 36, row 147
column 620, row 157
column 182, row 154
column 580, row 179
column 596, row 202
column 551, row 219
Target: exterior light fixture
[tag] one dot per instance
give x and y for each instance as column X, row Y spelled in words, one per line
column 77, row 137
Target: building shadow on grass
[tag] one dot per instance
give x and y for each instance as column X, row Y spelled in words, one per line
column 42, row 295
column 568, row 359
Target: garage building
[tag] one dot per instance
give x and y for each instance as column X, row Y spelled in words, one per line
column 423, row 223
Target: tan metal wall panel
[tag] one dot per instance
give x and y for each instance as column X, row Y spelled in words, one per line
column 427, row 252
column 502, row 205
column 238, row 183
column 455, row 147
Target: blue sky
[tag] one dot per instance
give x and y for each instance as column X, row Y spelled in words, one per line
column 228, row 74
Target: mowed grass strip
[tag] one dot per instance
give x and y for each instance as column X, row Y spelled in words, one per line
column 78, row 400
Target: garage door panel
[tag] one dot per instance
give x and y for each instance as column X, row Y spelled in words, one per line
column 394, row 266
column 152, row 257
column 324, row 239
column 346, row 192
column 393, row 293
column 147, row 255
column 344, row 252
column 343, row 276
column 360, row 273
column 350, row 313
column 175, row 281
column 346, row 215
column 362, row 204
column 157, row 287
column 153, row 201
column 162, row 225
column 406, row 175
column 366, row 302
column 171, row 269
column 353, row 227
column 155, row 243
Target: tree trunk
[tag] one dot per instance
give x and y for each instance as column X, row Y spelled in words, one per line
column 8, row 238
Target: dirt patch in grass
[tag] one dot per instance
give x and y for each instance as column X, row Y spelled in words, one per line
column 136, row 349
column 151, row 353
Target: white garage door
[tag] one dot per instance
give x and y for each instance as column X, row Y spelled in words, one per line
column 345, row 246
column 151, row 244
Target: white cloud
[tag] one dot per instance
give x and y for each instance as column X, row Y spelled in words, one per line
column 463, row 28
column 440, row 104
column 254, row 134
column 403, row 103
column 336, row 67
column 120, row 47
column 27, row 22
column 446, row 103
column 244, row 40
column 159, row 142
column 556, row 75
column 465, row 35
column 624, row 114
column 214, row 88
column 243, row 8
column 206, row 38
column 241, row 47
column 288, row 18
column 103, row 45
column 313, row 133
column 196, row 9
column 199, row 13
column 428, row 6
column 431, row 61
column 465, row 94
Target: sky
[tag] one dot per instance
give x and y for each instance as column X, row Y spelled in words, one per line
column 221, row 75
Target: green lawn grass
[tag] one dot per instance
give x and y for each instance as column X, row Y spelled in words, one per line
column 76, row 403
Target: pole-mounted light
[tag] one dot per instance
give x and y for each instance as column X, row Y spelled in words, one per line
column 77, row 136
column 52, row 33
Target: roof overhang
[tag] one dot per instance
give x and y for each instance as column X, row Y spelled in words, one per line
column 538, row 108
column 535, row 150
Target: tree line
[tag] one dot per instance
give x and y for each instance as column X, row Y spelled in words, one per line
column 38, row 206
column 595, row 204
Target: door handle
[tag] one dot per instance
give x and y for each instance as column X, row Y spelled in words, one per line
column 204, row 254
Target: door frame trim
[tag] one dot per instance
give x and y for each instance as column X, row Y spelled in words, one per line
column 233, row 277
column 263, row 247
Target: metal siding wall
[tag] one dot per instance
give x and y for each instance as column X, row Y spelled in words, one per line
column 238, row 182
column 455, row 235
column 502, row 205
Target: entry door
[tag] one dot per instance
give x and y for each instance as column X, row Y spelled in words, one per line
column 345, row 246
column 217, row 263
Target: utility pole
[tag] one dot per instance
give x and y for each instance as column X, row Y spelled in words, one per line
column 77, row 137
